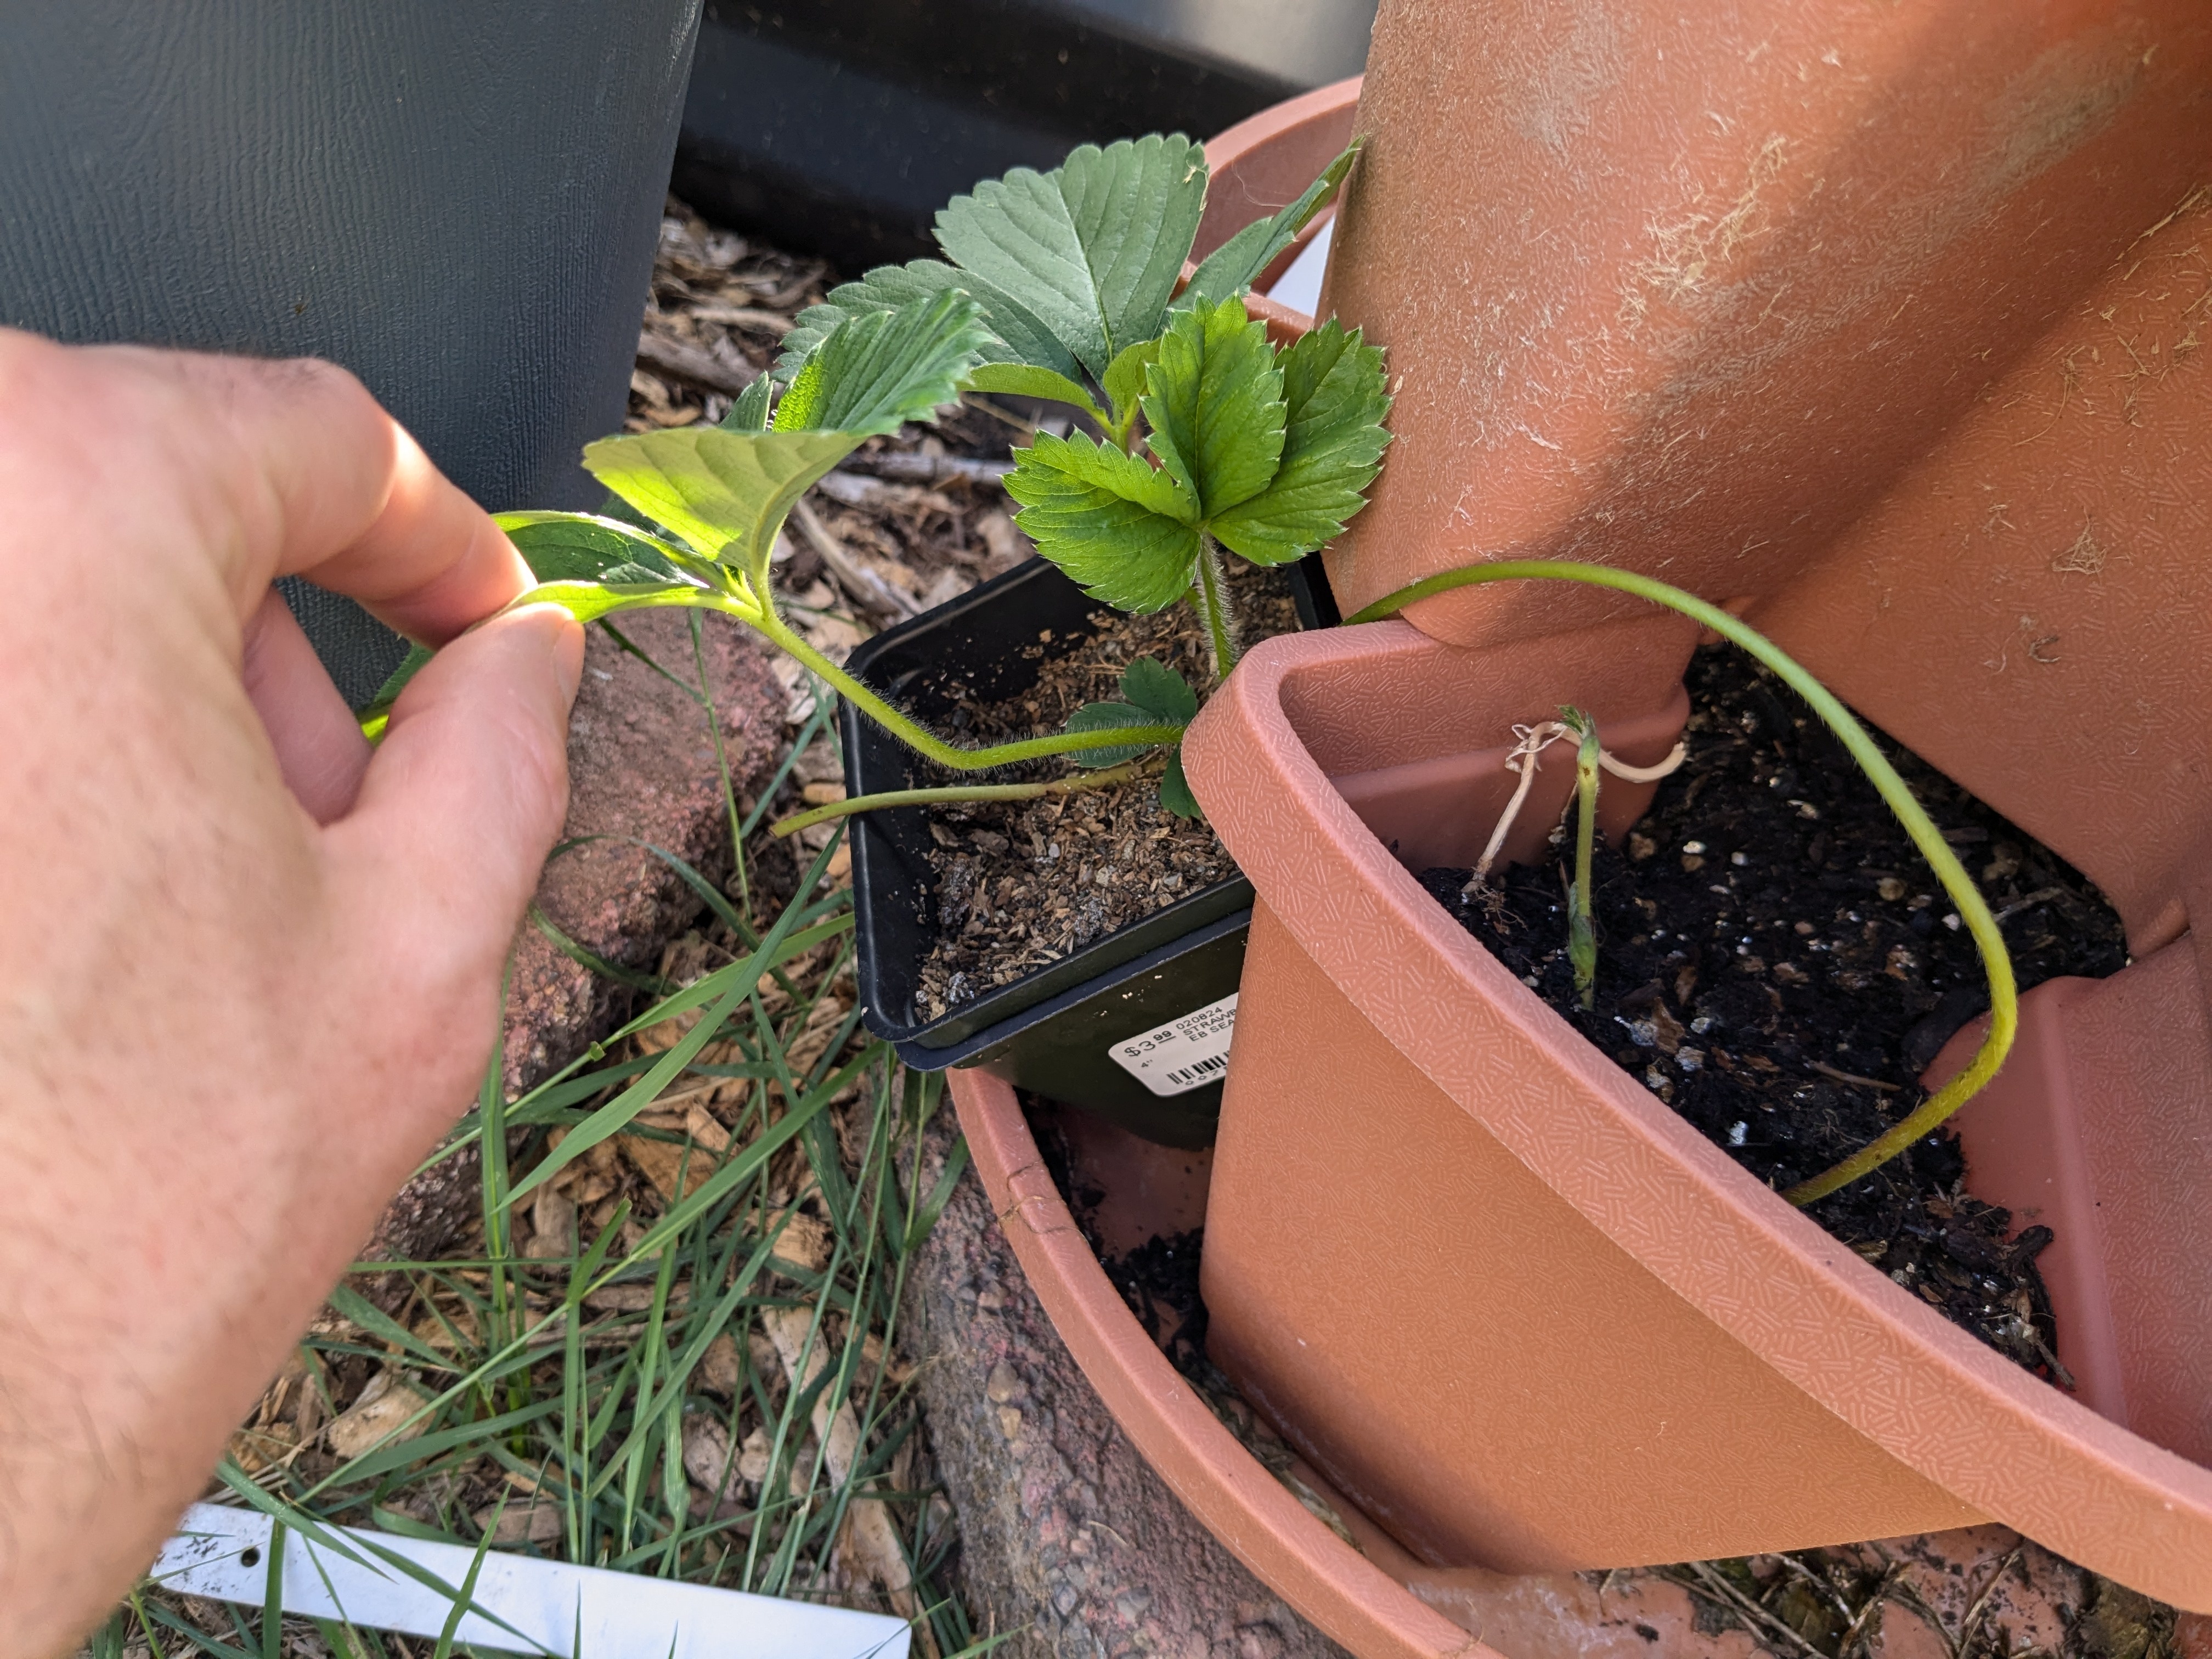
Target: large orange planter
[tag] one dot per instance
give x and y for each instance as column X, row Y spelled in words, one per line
column 1883, row 324
column 1347, row 1595
column 1510, row 1304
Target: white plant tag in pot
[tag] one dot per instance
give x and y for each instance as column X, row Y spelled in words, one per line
column 1187, row 1053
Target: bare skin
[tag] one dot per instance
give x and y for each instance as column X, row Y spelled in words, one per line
column 249, row 974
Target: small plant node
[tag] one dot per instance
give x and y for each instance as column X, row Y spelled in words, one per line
column 1582, row 923
column 1974, row 911
column 1529, row 742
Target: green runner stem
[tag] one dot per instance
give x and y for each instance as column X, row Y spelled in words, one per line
column 959, row 792
column 921, row 738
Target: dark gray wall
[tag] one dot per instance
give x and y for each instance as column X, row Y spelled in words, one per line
column 457, row 200
column 840, row 126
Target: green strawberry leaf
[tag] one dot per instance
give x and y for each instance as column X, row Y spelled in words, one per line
column 1124, row 385
column 1214, row 400
column 1136, row 208
column 1175, row 790
column 1157, row 689
column 582, row 547
column 726, row 494
column 875, row 372
column 1236, row 263
column 1093, row 247
column 1017, row 335
column 1105, row 717
column 886, row 288
column 1333, row 443
column 750, row 412
column 1117, row 525
column 1027, row 380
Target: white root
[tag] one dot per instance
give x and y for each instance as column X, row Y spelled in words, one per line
column 1533, row 740
column 1621, row 769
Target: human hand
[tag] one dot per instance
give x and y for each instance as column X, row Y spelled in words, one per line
column 249, row 973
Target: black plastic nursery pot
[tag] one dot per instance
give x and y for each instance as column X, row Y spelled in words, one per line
column 1134, row 1026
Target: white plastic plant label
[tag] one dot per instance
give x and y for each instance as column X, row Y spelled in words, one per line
column 519, row 1604
column 1184, row 1053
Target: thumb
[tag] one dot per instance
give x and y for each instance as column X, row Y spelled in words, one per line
column 431, row 871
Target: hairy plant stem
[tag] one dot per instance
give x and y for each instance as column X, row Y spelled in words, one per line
column 2004, row 999
column 1207, row 595
column 1081, row 782
column 915, row 735
column 1582, row 924
column 745, row 595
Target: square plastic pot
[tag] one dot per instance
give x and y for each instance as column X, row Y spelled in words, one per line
column 1051, row 1029
column 1509, row 1303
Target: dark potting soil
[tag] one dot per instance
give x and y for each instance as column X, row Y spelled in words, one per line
column 1158, row 1279
column 1778, row 963
column 1020, row 883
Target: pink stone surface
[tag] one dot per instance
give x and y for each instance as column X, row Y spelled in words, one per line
column 642, row 770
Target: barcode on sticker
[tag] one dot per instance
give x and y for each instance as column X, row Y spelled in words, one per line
column 1189, row 1077
column 1185, row 1053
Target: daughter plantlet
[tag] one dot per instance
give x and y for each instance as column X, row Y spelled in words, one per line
column 1265, row 453
column 1075, row 269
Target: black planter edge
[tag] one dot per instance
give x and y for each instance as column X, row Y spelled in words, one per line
column 1008, row 1010
column 976, row 1048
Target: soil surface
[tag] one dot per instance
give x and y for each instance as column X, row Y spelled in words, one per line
column 1021, row 883
column 1778, row 963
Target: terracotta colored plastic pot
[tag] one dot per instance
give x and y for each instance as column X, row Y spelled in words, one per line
column 1886, row 321
column 1381, row 1603
column 1868, row 320
column 1224, row 1486
column 1512, row 1305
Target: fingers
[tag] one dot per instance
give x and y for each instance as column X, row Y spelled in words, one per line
column 432, row 562
column 319, row 747
column 267, row 469
column 434, row 866
column 357, row 507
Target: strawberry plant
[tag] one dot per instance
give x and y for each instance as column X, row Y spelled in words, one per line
column 1063, row 286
